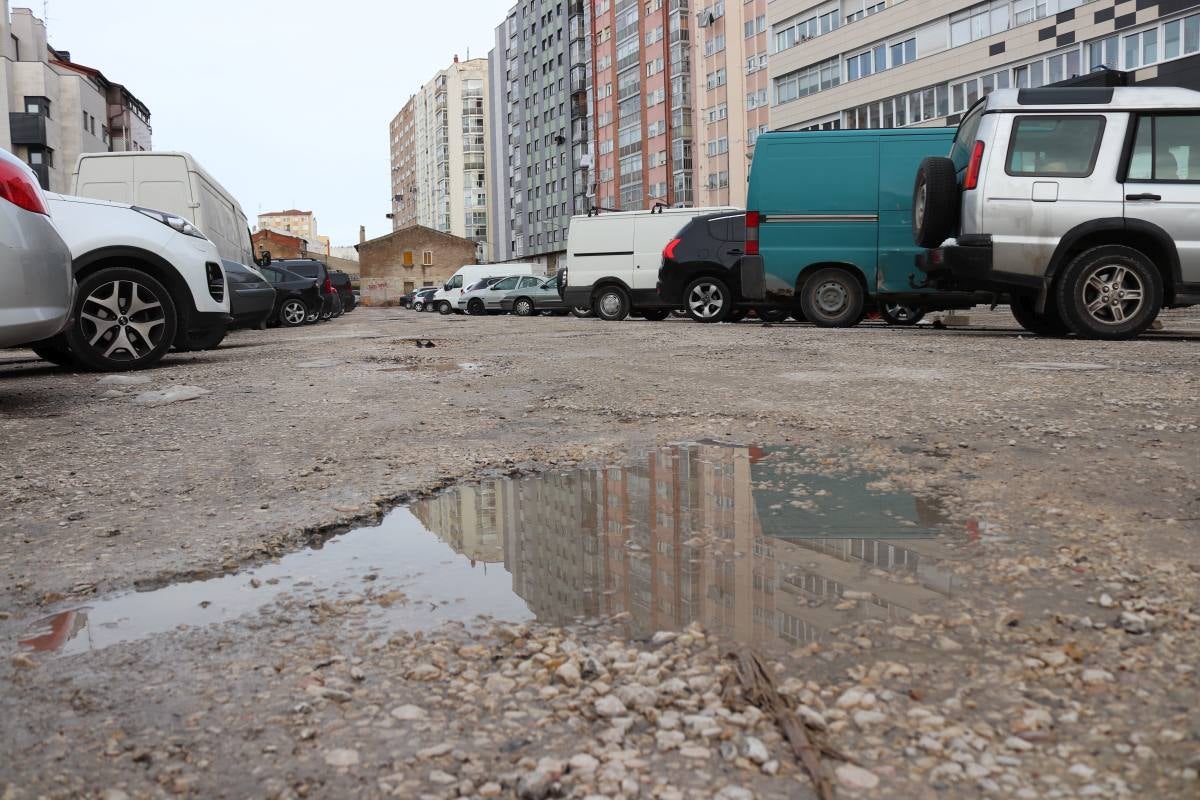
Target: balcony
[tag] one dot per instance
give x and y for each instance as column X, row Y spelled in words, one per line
column 27, row 128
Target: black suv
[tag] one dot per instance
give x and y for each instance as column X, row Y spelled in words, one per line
column 297, row 299
column 701, row 270
column 311, row 268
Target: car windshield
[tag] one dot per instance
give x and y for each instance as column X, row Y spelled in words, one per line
column 549, row 283
column 478, row 285
column 507, row 283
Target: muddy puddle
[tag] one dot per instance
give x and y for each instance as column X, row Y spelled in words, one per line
column 761, row 544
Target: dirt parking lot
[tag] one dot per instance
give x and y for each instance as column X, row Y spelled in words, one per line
column 1031, row 630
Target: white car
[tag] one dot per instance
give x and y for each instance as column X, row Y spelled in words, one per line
column 147, row 281
column 445, row 300
column 36, row 286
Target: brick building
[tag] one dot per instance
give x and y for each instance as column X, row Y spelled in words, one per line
column 408, row 259
column 279, row 245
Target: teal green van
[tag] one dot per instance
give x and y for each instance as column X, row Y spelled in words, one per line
column 829, row 213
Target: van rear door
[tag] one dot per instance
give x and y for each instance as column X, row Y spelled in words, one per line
column 899, row 158
column 160, row 182
column 651, row 233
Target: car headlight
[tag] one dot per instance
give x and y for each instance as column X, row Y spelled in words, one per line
column 176, row 223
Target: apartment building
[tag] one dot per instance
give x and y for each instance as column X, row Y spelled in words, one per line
column 893, row 63
column 732, row 90
column 438, row 147
column 643, row 92
column 52, row 109
column 293, row 222
column 541, row 130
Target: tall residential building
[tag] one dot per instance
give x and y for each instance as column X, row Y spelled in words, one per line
column 540, row 128
column 732, row 96
column 52, row 109
column 892, row 63
column 293, row 222
column 643, row 94
column 438, row 154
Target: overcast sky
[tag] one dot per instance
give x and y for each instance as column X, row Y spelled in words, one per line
column 286, row 102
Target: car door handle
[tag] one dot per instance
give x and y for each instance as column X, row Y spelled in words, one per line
column 735, row 252
column 1145, row 196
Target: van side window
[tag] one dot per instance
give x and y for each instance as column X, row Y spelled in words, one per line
column 455, row 282
column 1166, row 148
column 1054, row 147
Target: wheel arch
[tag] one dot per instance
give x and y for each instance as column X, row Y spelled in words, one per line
column 611, row 280
column 151, row 263
column 846, row 266
column 1146, row 237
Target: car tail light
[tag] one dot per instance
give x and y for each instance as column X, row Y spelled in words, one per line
column 328, row 286
column 972, row 179
column 19, row 189
column 669, row 250
column 752, row 220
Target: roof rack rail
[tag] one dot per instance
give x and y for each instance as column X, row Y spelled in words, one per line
column 594, row 211
column 658, row 207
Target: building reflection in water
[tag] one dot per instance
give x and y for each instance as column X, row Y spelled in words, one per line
column 754, row 543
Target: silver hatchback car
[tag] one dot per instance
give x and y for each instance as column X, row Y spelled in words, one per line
column 37, row 286
column 1082, row 204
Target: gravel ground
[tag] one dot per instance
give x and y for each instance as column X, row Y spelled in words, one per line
column 1067, row 670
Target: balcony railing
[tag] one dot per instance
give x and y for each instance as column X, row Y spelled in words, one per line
column 27, row 128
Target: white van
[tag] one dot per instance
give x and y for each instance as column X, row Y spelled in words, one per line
column 614, row 259
column 171, row 182
column 445, row 299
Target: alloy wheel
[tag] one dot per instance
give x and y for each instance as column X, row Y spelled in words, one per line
column 294, row 312
column 122, row 320
column 706, row 300
column 524, row 308
column 1112, row 293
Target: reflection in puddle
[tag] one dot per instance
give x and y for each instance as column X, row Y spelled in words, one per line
column 758, row 544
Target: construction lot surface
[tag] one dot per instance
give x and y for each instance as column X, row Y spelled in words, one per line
column 1052, row 653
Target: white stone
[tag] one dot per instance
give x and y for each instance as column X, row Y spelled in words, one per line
column 1018, row 744
column 568, row 673
column 1094, row 676
column 1082, row 771
column 582, row 762
column 865, row 719
column 442, row 778
column 855, row 777
column 610, row 706
column 341, row 757
column 734, row 793
column 409, row 713
column 755, row 750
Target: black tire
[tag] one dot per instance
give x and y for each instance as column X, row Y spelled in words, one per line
column 1049, row 323
column 797, row 314
column 193, row 341
column 832, row 298
column 523, row 307
column 895, row 314
column 1110, row 271
column 137, row 337
column 656, row 314
column 293, row 312
column 56, row 351
column 444, row 308
column 773, row 314
column 737, row 315
column 610, row 303
column 582, row 312
column 475, row 307
column 935, row 201
column 708, row 299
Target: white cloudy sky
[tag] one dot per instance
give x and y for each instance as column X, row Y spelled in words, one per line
column 285, row 102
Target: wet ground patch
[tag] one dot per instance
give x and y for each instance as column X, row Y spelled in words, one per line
column 764, row 545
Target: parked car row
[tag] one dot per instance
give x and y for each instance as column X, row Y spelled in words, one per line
column 108, row 284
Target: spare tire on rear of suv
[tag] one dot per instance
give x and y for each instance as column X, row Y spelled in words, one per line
column 935, row 202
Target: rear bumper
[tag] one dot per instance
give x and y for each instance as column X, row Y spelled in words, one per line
column 577, row 296
column 37, row 285
column 965, row 263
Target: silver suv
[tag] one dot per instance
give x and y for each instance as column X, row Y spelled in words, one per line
column 1081, row 204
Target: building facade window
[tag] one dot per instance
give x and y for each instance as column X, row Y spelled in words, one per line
column 807, row 81
column 808, row 25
